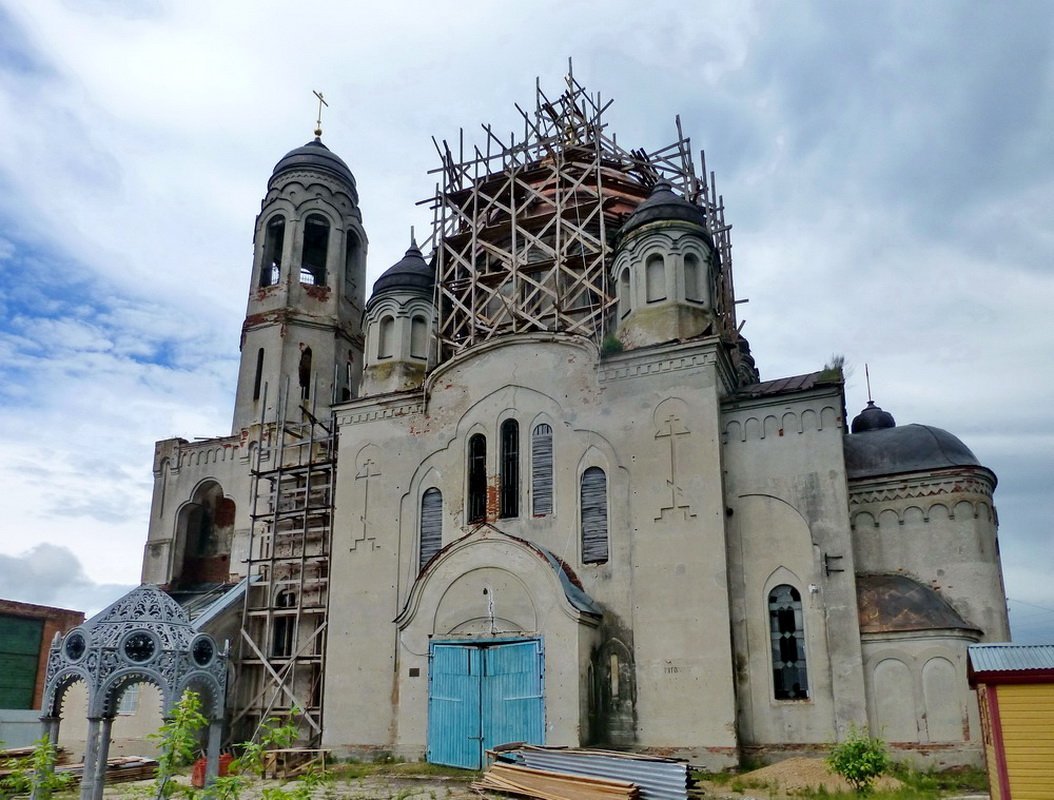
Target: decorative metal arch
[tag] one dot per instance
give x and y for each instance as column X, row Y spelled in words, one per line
column 144, row 637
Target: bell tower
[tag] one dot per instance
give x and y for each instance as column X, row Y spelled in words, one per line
column 302, row 335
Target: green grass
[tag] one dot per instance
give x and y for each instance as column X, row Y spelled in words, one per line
column 351, row 770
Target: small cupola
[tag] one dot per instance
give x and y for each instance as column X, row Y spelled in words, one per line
column 662, row 271
column 399, row 319
column 872, row 418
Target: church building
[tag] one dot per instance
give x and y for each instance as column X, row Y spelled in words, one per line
column 534, row 488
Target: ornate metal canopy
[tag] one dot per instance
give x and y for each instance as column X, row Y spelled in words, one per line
column 146, row 636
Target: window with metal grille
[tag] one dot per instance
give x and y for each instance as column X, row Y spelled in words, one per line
column 510, row 468
column 542, row 470
column 477, row 478
column 594, row 504
column 787, row 631
column 431, row 525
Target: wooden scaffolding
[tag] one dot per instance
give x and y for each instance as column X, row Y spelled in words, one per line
column 524, row 231
column 281, row 664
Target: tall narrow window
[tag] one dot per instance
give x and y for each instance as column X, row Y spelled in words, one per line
column 655, row 278
column 594, row 503
column 787, row 631
column 431, row 525
column 624, row 304
column 316, row 244
column 386, row 338
column 304, row 373
column 284, row 625
column 419, row 337
column 352, row 256
column 259, row 374
column 271, row 264
column 477, row 478
column 693, row 290
column 542, row 470
column 510, row 468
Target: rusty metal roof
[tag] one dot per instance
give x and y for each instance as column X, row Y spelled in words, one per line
column 793, row 383
column 1011, row 657
column 890, row 603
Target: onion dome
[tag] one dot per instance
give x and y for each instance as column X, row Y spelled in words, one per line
column 872, row 418
column 412, row 272
column 907, row 448
column 315, row 156
column 664, row 205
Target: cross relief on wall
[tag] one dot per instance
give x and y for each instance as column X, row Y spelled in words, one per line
column 672, row 428
column 366, row 472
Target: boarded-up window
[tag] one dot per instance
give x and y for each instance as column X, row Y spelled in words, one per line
column 510, row 468
column 419, row 337
column 693, row 289
column 386, row 338
column 542, row 470
column 594, row 503
column 787, row 631
column 477, row 478
column 271, row 264
column 431, row 525
column 316, row 245
column 20, row 642
column 655, row 277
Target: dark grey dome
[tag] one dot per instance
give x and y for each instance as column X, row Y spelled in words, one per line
column 906, row 448
column 412, row 272
column 315, row 155
column 662, row 205
column 873, row 418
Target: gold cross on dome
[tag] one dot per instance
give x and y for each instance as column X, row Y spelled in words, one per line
column 321, row 102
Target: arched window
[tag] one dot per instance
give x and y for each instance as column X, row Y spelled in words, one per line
column 419, row 337
column 477, row 478
column 510, row 468
column 271, row 264
column 386, row 338
column 655, row 277
column 542, row 470
column 594, row 504
column 787, row 631
column 624, row 304
column 352, row 256
column 693, row 289
column 431, row 525
column 259, row 374
column 316, row 244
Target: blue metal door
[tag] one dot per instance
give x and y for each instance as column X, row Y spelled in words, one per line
column 482, row 695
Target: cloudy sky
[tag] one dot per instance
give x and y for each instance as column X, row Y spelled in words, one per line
column 888, row 169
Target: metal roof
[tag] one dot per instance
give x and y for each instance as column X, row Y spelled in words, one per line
column 792, row 383
column 1011, row 657
column 887, row 603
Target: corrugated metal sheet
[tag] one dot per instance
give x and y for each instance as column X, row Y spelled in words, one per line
column 431, row 525
column 658, row 778
column 594, row 516
column 542, row 470
column 1011, row 657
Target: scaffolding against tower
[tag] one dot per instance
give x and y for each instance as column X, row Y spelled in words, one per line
column 524, row 231
column 281, row 665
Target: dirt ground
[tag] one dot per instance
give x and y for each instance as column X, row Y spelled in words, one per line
column 374, row 787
